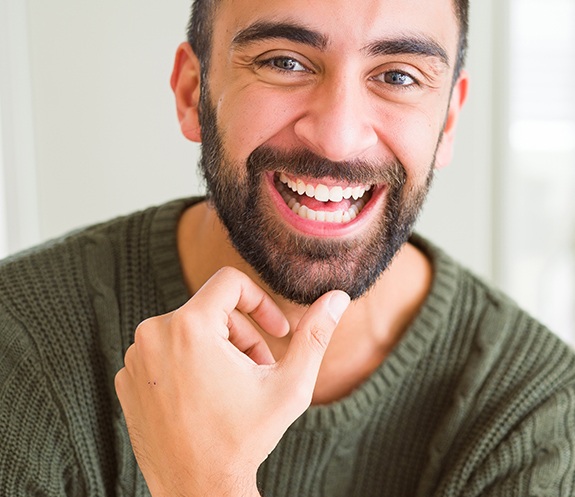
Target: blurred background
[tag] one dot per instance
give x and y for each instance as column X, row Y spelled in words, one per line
column 88, row 131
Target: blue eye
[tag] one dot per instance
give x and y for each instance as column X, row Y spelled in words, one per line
column 396, row 78
column 286, row 64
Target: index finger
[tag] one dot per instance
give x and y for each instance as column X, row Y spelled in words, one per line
column 230, row 289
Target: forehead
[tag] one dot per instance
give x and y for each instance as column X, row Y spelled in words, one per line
column 346, row 25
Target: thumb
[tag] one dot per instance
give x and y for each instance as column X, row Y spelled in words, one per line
column 311, row 338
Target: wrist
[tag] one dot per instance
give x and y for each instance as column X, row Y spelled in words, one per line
column 202, row 484
column 231, row 485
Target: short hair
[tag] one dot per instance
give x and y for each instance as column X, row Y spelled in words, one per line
column 200, row 30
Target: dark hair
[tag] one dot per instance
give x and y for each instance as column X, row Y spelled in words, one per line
column 200, row 29
column 462, row 14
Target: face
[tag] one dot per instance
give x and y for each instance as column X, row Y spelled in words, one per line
column 320, row 133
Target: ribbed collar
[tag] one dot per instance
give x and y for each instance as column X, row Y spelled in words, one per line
column 415, row 343
column 164, row 252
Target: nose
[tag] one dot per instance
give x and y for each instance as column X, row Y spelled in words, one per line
column 338, row 123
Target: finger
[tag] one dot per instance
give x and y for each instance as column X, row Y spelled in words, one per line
column 231, row 289
column 311, row 338
column 248, row 340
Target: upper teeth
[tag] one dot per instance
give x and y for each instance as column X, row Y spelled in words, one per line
column 322, row 192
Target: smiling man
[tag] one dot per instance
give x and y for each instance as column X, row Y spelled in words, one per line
column 292, row 336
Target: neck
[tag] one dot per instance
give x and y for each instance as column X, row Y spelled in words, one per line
column 369, row 329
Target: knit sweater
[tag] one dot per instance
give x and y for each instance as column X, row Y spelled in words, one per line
column 477, row 399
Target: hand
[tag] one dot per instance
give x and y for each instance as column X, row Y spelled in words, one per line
column 204, row 400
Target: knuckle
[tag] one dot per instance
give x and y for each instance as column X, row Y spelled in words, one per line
column 119, row 382
column 183, row 321
column 185, row 325
column 143, row 330
column 118, row 378
column 129, row 356
column 148, row 335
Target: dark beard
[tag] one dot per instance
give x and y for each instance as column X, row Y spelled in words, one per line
column 298, row 267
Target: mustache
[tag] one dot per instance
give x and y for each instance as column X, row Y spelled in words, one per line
column 303, row 162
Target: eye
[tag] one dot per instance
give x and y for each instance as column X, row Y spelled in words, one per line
column 396, row 78
column 283, row 64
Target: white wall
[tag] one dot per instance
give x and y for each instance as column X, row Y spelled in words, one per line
column 459, row 214
column 18, row 196
column 107, row 140
column 3, row 211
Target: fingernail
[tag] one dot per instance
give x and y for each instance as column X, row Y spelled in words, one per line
column 338, row 304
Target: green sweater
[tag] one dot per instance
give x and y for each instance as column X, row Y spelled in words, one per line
column 477, row 398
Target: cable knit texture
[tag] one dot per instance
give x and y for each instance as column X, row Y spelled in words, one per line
column 478, row 399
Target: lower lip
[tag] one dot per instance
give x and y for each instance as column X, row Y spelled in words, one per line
column 323, row 229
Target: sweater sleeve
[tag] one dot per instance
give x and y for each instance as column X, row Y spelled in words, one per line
column 37, row 457
column 536, row 459
column 520, row 435
column 509, row 426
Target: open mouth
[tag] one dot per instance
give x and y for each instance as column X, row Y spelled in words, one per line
column 316, row 201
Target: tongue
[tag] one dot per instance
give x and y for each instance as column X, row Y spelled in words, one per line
column 316, row 205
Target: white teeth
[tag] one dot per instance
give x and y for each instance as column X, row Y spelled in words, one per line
column 357, row 192
column 336, row 194
column 353, row 211
column 322, row 192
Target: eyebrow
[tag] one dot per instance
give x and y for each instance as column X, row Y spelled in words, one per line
column 264, row 30
column 268, row 30
column 410, row 45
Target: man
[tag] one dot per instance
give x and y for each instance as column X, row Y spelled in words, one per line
column 321, row 124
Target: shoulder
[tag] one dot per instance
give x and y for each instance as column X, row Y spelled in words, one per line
column 68, row 309
column 77, row 259
column 488, row 317
column 511, row 415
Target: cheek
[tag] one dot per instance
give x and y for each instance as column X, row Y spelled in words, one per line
column 412, row 137
column 254, row 117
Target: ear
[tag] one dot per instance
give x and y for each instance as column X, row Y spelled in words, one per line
column 185, row 83
column 444, row 153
